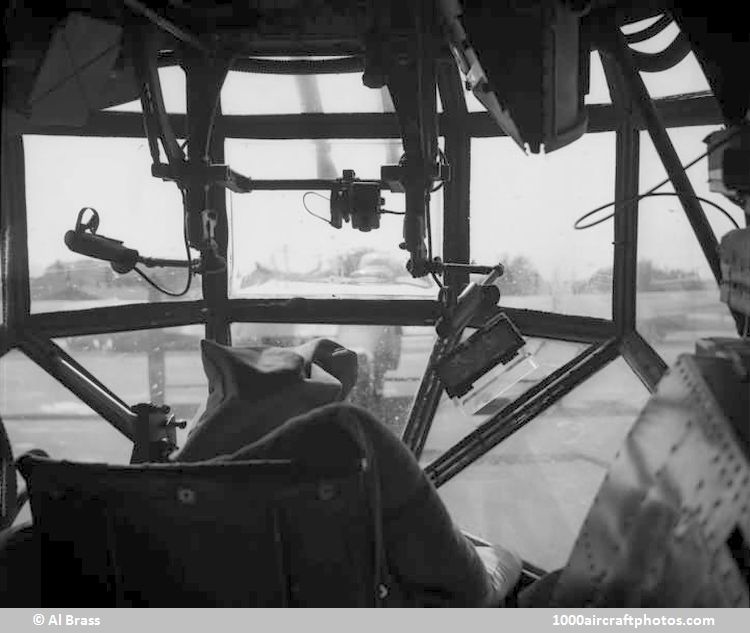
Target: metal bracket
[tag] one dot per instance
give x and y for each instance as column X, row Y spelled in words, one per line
column 155, row 433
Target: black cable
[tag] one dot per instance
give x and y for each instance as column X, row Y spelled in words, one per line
column 153, row 284
column 315, row 215
column 389, row 212
column 652, row 194
column 704, row 200
column 579, row 227
column 189, row 281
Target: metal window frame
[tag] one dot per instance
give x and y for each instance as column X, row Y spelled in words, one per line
column 33, row 332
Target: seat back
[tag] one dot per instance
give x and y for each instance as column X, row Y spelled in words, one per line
column 263, row 533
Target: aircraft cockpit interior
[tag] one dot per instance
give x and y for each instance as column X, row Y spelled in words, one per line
column 375, row 303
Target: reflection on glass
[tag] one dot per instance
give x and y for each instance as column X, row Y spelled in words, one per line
column 64, row 174
column 532, row 492
column 452, row 423
column 252, row 93
column 392, row 359
column 38, row 412
column 522, row 213
column 678, row 298
column 282, row 244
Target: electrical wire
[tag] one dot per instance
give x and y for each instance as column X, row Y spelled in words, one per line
column 189, row 281
column 652, row 194
column 580, row 227
column 315, row 215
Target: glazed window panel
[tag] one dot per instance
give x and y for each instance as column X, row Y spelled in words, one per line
column 255, row 93
column 532, row 492
column 65, row 174
column 38, row 412
column 677, row 295
column 162, row 366
column 282, row 242
column 391, row 359
column 452, row 422
column 523, row 209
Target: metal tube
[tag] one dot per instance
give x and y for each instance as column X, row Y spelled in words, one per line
column 427, row 398
column 456, row 238
column 297, row 185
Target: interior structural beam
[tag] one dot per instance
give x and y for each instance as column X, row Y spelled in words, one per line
column 136, row 316
column 143, row 316
column 643, row 359
column 656, row 127
column 676, row 111
column 520, row 412
column 627, row 152
column 456, row 192
column 14, row 251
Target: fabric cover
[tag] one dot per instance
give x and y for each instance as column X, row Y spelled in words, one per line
column 267, row 385
column 262, row 405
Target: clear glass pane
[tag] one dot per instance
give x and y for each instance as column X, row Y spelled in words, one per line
column 522, row 213
column 249, row 93
column 282, row 243
column 678, row 299
column 38, row 412
column 162, row 366
column 532, row 492
column 391, row 359
column 172, row 81
column 452, row 423
column 64, row 174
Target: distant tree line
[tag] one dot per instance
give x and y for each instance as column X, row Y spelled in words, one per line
column 649, row 278
column 91, row 279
